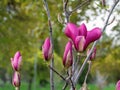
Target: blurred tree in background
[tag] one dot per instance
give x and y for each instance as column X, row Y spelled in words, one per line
column 24, row 26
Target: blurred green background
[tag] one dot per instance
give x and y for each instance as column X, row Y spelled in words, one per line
column 24, row 26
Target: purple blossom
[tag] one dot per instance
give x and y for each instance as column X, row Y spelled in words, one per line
column 68, row 57
column 47, row 49
column 16, row 79
column 16, row 61
column 75, row 33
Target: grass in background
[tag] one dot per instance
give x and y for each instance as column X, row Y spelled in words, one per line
column 24, row 86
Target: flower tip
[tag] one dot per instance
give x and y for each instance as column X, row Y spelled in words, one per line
column 118, row 85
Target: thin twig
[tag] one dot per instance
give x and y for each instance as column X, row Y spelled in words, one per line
column 65, row 86
column 79, row 6
column 56, row 72
column 89, row 67
column 67, row 15
column 77, row 66
column 50, row 32
column 87, row 58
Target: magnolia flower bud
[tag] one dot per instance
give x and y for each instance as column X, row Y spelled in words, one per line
column 16, row 61
column 68, row 57
column 71, row 31
column 47, row 49
column 118, row 85
column 79, row 43
column 16, row 79
column 93, row 55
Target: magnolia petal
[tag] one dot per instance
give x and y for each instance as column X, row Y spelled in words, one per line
column 82, row 30
column 92, row 36
column 71, row 30
column 16, row 56
column 16, row 61
column 79, row 43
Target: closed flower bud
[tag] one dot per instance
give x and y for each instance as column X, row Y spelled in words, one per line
column 68, row 57
column 118, row 85
column 79, row 43
column 16, row 61
column 93, row 55
column 16, row 79
column 47, row 49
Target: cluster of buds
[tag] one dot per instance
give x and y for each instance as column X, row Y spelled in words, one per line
column 80, row 38
column 16, row 64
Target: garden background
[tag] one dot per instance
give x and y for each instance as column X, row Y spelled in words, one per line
column 24, row 26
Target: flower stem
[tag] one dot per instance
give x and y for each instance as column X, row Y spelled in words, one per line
column 17, row 88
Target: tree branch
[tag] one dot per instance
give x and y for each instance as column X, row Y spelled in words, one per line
column 79, row 6
column 50, row 32
column 87, row 58
column 67, row 15
column 89, row 67
column 56, row 72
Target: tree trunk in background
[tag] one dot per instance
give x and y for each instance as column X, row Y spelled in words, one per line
column 30, row 84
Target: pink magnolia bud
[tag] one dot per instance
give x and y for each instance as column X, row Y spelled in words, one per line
column 118, row 85
column 93, row 55
column 71, row 31
column 68, row 57
column 16, row 79
column 92, row 36
column 79, row 43
column 47, row 49
column 16, row 61
column 82, row 30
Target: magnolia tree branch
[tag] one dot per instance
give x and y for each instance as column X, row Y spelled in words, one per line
column 50, row 32
column 79, row 6
column 87, row 58
column 89, row 67
column 67, row 15
column 56, row 72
